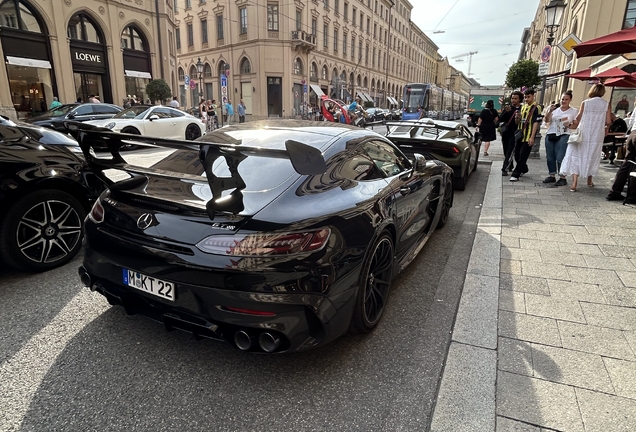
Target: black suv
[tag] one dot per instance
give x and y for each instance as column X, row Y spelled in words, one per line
column 54, row 118
column 45, row 191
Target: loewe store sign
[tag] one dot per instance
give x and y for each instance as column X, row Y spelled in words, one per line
column 85, row 58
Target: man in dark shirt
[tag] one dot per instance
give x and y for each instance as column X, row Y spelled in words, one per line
column 507, row 119
column 529, row 120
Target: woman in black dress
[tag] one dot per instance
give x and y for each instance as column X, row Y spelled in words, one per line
column 486, row 125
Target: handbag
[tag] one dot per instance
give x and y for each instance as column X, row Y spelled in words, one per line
column 504, row 126
column 576, row 137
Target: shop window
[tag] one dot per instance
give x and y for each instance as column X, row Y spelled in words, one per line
column 81, row 27
column 15, row 14
column 246, row 66
column 132, row 39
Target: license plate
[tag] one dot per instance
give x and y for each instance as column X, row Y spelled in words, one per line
column 148, row 284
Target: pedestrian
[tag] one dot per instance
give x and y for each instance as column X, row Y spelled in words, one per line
column 528, row 120
column 241, row 111
column 508, row 128
column 91, row 99
column 174, row 103
column 488, row 119
column 79, row 100
column 127, row 102
column 560, row 116
column 230, row 111
column 55, row 104
column 593, row 119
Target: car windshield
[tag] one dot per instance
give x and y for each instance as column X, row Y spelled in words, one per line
column 57, row 112
column 135, row 112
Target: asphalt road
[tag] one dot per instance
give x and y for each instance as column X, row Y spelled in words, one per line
column 70, row 362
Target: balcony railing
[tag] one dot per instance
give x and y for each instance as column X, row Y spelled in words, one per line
column 303, row 40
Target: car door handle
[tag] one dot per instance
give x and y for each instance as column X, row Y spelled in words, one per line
column 405, row 190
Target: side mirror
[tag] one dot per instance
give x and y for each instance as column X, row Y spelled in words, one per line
column 71, row 116
column 419, row 162
column 153, row 117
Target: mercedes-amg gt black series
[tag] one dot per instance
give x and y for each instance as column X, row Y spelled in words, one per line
column 45, row 191
column 274, row 236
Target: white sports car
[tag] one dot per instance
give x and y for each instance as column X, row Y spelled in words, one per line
column 155, row 121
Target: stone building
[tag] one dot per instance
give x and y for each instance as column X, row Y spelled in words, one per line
column 279, row 55
column 72, row 49
column 587, row 19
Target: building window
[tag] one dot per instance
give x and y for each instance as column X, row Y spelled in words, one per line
column 207, row 71
column 131, row 39
column 325, row 29
column 246, row 66
column 80, row 27
column 345, row 12
column 344, row 44
column 298, row 66
column 243, row 15
column 630, row 14
column 361, row 21
column 313, row 72
column 375, row 30
column 324, row 72
column 177, row 36
column 359, row 51
column 188, row 4
column 219, row 27
column 353, row 46
column 336, row 5
column 171, row 41
column 190, row 34
column 181, row 74
column 373, row 58
column 366, row 55
column 368, row 25
column 176, row 6
column 326, row 2
column 314, row 26
column 353, row 16
column 204, row 31
column 272, row 16
column 299, row 19
column 335, row 40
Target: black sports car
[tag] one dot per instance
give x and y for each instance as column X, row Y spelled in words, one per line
column 448, row 141
column 274, row 236
column 45, row 192
column 54, row 118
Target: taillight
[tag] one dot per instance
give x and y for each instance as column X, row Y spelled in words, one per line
column 250, row 311
column 455, row 150
column 97, row 212
column 265, row 244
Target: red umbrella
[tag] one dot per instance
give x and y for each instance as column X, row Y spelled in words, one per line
column 612, row 73
column 621, row 42
column 581, row 75
column 628, row 81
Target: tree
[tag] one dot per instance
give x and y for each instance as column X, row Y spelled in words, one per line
column 158, row 90
column 523, row 73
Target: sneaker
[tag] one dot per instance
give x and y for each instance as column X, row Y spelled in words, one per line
column 614, row 196
column 504, row 173
column 513, row 178
column 549, row 179
column 561, row 182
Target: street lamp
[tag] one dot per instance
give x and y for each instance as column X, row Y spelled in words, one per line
column 200, row 71
column 553, row 15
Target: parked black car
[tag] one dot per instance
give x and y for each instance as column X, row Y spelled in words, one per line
column 55, row 118
column 274, row 236
column 45, row 192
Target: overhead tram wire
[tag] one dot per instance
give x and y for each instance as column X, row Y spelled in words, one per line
column 444, row 17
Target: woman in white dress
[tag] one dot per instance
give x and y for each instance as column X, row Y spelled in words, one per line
column 583, row 159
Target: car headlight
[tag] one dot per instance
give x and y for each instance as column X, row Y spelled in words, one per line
column 110, row 125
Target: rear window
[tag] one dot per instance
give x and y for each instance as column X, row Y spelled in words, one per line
column 259, row 173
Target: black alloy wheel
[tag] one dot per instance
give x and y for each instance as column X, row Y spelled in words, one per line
column 132, row 131
column 192, row 132
column 446, row 204
column 42, row 231
column 375, row 282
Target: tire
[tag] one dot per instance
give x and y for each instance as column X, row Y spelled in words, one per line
column 476, row 160
column 460, row 183
column 375, row 284
column 42, row 231
column 446, row 204
column 133, row 131
column 192, row 132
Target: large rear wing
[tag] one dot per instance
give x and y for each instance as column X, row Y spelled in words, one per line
column 305, row 159
column 427, row 125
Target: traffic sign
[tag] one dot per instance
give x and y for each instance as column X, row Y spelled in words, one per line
column 546, row 53
column 224, row 90
column 223, row 80
column 193, row 84
column 187, row 80
column 544, row 68
column 296, row 94
column 303, row 81
column 567, row 45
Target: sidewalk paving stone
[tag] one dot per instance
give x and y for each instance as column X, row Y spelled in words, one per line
column 538, row 244
column 570, row 367
column 595, row 239
column 512, row 301
column 610, row 263
column 555, row 236
column 576, row 291
column 524, row 284
column 625, row 241
column 512, row 242
column 619, row 296
column 510, row 266
column 551, row 307
column 595, row 340
column 558, row 257
column 619, row 251
column 508, row 425
column 477, row 313
column 538, row 402
column 623, row 376
column 545, row 270
column 616, row 317
column 607, row 230
column 518, row 233
column 582, row 249
column 604, row 413
column 594, row 276
column 628, row 278
column 529, row 328
column 520, row 254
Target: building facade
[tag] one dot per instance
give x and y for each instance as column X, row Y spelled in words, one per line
column 278, row 56
column 73, row 49
column 587, row 19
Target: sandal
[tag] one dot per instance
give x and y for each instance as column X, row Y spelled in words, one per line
column 590, row 185
column 485, row 153
column 572, row 189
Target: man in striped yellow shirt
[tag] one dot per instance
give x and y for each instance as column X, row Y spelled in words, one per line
column 528, row 120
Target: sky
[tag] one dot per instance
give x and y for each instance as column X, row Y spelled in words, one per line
column 492, row 31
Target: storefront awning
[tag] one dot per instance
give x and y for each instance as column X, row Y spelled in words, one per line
column 20, row 61
column 364, row 97
column 392, row 101
column 137, row 74
column 369, row 97
column 317, row 90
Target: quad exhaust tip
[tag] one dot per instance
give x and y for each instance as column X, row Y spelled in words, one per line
column 268, row 342
column 242, row 340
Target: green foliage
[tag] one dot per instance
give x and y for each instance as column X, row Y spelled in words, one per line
column 158, row 90
column 523, row 73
